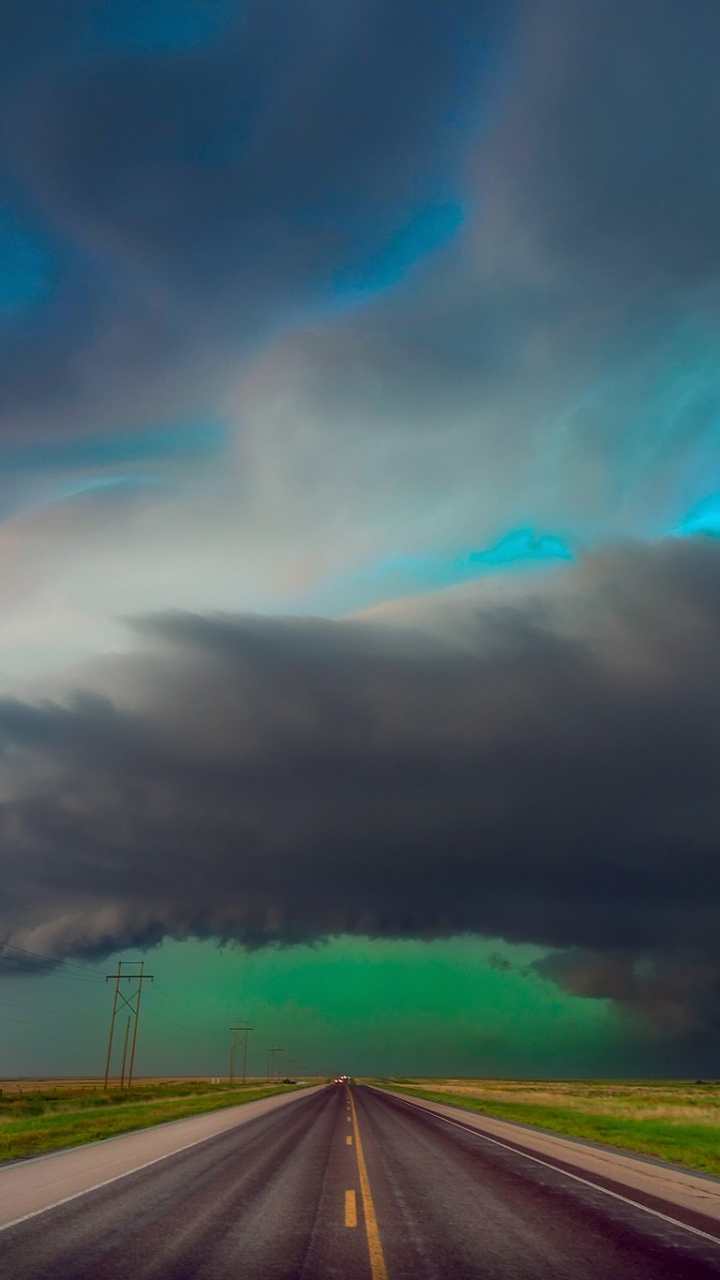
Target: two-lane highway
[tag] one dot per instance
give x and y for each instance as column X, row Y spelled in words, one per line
column 353, row 1184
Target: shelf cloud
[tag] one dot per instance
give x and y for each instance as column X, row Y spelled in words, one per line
column 535, row 764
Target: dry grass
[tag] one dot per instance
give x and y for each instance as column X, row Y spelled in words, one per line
column 677, row 1121
column 680, row 1102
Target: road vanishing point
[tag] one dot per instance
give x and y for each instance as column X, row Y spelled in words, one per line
column 342, row 1182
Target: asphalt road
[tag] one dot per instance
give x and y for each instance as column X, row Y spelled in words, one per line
column 354, row 1186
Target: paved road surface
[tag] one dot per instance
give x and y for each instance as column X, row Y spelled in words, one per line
column 292, row 1196
column 692, row 1197
column 31, row 1186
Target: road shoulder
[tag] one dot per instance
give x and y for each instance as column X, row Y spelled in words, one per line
column 32, row 1186
column 649, row 1180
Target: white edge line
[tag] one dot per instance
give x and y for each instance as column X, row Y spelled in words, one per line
column 35, row 1213
column 467, row 1128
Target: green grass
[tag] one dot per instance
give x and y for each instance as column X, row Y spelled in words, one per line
column 695, row 1146
column 33, row 1125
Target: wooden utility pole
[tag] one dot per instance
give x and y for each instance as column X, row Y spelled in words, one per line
column 239, row 1028
column 130, row 1001
column 124, row 1057
column 272, row 1060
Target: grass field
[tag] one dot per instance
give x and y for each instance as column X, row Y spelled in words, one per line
column 675, row 1121
column 37, row 1120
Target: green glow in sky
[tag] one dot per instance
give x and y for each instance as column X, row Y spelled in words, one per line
column 462, row 1006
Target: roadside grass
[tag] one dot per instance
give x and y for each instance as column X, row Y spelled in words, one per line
column 648, row 1118
column 33, row 1126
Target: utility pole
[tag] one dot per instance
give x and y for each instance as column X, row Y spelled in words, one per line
column 272, row 1060
column 131, row 1002
column 242, row 1029
column 124, row 1057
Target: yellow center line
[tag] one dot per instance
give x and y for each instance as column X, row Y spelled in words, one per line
column 377, row 1257
column 348, row 1140
column 350, row 1209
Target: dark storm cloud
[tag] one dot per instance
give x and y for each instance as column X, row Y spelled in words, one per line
column 195, row 193
column 539, row 767
column 201, row 175
column 182, row 193
column 573, row 328
column 614, row 165
column 600, row 185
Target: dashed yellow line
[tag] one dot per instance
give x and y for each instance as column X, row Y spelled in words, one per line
column 348, row 1140
column 377, row 1257
column 350, row 1209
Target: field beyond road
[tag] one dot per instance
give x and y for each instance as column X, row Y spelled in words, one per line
column 42, row 1119
column 676, row 1121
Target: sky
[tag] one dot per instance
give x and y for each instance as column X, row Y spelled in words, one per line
column 359, row 533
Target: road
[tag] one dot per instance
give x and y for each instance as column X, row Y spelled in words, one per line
column 354, row 1185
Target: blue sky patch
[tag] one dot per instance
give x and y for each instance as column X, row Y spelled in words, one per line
column 520, row 545
column 399, row 577
column 703, row 518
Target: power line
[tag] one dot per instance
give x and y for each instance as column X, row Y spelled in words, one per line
column 167, row 995
column 275, row 1054
column 243, row 1030
column 170, row 1022
column 210, row 1023
column 39, row 955
column 9, row 897
column 12, row 965
column 23, row 923
column 132, row 1004
column 42, row 963
column 9, row 1004
column 72, row 1026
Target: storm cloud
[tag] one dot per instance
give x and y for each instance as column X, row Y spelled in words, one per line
column 182, row 180
column 306, row 307
column 538, row 765
column 182, row 183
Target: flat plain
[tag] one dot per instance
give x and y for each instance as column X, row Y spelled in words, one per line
column 37, row 1117
column 672, row 1120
